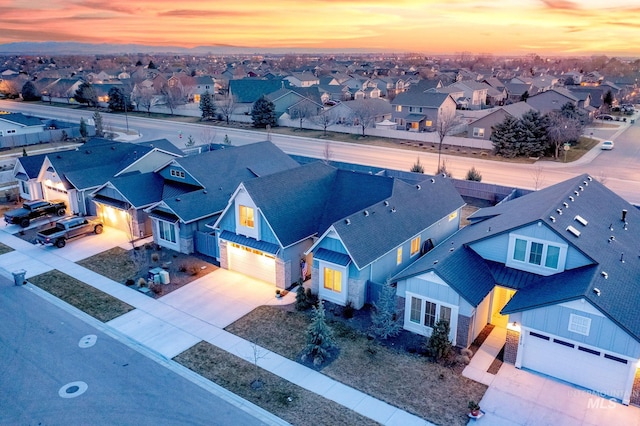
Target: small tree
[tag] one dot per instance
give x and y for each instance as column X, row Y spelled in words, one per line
column 474, row 175
column 319, row 337
column 506, row 138
column 365, row 112
column 118, row 100
column 524, row 96
column 608, row 100
column 325, row 120
column 417, row 167
column 207, row 106
column 302, row 301
column 86, row 94
column 83, row 128
column 190, row 141
column 443, row 170
column 29, row 92
column 227, row 141
column 444, row 125
column 226, row 106
column 438, row 345
column 151, row 65
column 97, row 120
column 145, row 99
column 263, row 113
column 383, row 316
column 24, row 152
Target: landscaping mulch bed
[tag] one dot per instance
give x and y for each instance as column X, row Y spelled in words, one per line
column 90, row 300
column 286, row 400
column 122, row 265
column 394, row 370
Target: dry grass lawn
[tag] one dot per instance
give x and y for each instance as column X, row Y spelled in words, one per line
column 290, row 402
column 408, row 381
column 5, row 249
column 92, row 301
column 115, row 263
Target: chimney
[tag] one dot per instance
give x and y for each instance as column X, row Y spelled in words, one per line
column 624, row 215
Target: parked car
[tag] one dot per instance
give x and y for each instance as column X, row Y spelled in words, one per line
column 605, row 117
column 71, row 227
column 607, row 145
column 34, row 209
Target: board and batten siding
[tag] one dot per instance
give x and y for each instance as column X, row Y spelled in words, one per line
column 429, row 285
column 603, row 333
column 332, row 244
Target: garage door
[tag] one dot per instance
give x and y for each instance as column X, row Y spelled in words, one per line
column 252, row 262
column 51, row 193
column 569, row 361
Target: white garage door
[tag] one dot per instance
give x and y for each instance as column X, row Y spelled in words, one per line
column 569, row 361
column 252, row 262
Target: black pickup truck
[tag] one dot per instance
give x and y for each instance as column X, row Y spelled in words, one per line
column 71, row 227
column 34, row 209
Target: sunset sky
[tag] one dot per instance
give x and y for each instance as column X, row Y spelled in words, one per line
column 566, row 27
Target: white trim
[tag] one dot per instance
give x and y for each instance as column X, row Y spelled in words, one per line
column 166, row 243
column 423, row 329
column 579, row 324
column 531, row 267
column 333, row 296
column 582, row 305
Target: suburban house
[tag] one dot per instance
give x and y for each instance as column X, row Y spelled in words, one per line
column 481, row 128
column 342, row 228
column 194, row 190
column 474, row 92
column 19, row 124
column 558, row 268
column 73, row 175
column 552, row 100
column 248, row 90
column 302, row 79
column 419, row 111
column 297, row 101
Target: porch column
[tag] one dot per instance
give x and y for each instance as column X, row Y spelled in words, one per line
column 224, row 260
column 511, row 346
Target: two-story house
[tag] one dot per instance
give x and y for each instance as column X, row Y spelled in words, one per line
column 419, row 111
column 558, row 268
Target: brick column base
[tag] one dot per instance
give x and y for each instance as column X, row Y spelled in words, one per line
column 635, row 390
column 511, row 346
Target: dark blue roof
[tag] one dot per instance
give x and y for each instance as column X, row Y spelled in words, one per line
column 23, row 120
column 332, row 257
column 250, row 242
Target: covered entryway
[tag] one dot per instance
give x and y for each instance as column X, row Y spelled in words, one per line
column 501, row 295
column 568, row 360
column 252, row 262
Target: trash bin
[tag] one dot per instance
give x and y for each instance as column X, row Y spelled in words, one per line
column 18, row 277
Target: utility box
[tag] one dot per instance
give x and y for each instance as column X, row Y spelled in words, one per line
column 164, row 277
column 18, row 277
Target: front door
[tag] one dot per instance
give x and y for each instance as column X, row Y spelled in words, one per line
column 501, row 295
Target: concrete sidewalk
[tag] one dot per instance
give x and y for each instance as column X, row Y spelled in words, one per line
column 167, row 326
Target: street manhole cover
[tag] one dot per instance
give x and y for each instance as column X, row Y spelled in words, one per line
column 73, row 389
column 88, row 341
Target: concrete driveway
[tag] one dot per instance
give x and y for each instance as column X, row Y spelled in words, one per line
column 517, row 397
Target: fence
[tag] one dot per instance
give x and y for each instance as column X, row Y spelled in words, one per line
column 206, row 243
column 373, row 292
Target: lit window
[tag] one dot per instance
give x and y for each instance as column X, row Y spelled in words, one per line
column 398, row 108
column 167, row 231
column 478, row 132
column 428, row 123
column 399, row 257
column 415, row 245
column 246, row 216
column 579, row 324
column 553, row 255
column 333, row 280
column 520, row 250
column 535, row 255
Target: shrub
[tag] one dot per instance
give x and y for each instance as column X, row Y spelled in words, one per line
column 466, row 352
column 347, row 311
column 438, row 345
column 155, row 257
column 463, row 359
column 129, row 282
column 302, row 302
column 474, row 175
column 142, row 282
column 417, row 167
column 319, row 337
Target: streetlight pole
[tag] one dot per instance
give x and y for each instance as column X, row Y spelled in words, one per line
column 126, row 118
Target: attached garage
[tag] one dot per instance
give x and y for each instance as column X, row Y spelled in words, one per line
column 584, row 366
column 113, row 217
column 252, row 262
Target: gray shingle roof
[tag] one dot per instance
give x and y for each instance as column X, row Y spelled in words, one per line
column 21, row 119
column 249, row 90
column 423, row 99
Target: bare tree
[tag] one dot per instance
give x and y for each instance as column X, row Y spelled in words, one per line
column 302, row 111
column 208, row 135
column 364, row 112
column 325, row 120
column 562, row 130
column 445, row 123
column 537, row 176
column 172, row 97
column 326, row 153
column 226, row 106
column 144, row 99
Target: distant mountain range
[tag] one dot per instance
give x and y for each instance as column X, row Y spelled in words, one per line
column 72, row 48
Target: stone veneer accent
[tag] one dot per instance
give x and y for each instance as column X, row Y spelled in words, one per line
column 186, row 245
column 356, row 292
column 462, row 331
column 224, row 261
column 635, row 389
column 511, row 346
column 315, row 280
column 283, row 273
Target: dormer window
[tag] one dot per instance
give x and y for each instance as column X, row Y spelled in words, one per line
column 538, row 256
column 177, row 173
column 246, row 217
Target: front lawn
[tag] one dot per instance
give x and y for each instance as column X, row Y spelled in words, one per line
column 406, row 380
column 90, row 300
column 5, row 249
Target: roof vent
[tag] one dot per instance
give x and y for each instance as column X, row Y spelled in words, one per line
column 625, row 226
column 581, row 220
column 589, row 178
column 611, row 227
column 553, row 219
column 435, row 262
column 113, row 148
column 559, row 211
column 624, row 215
column 393, row 209
column 566, row 205
column 204, row 191
column 605, row 275
column 88, row 152
column 581, row 188
column 366, row 212
column 347, row 221
column 571, row 198
column 573, row 230
column 419, row 187
column 585, row 183
column 577, row 193
column 433, row 180
column 451, row 249
column 444, row 175
column 612, row 238
column 597, row 290
column 177, row 199
column 622, row 257
column 386, row 203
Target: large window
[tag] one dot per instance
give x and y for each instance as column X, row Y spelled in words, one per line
column 246, row 216
column 167, row 231
column 415, row 245
column 24, row 187
column 429, row 314
column 332, row 280
column 421, row 315
column 536, row 253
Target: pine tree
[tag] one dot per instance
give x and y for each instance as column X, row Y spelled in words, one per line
column 302, row 302
column 263, row 113
column 417, row 167
column 383, row 316
column 506, row 137
column 83, row 128
column 24, row 152
column 29, row 92
column 439, row 345
column 227, row 141
column 207, row 106
column 473, row 174
column 533, row 134
column 97, row 120
column 319, row 337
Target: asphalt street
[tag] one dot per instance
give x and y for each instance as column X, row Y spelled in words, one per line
column 57, row 369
